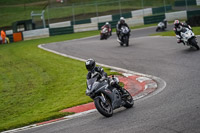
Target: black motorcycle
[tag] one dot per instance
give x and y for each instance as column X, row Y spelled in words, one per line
column 124, row 36
column 106, row 98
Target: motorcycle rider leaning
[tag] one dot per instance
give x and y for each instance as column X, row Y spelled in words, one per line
column 177, row 29
column 108, row 26
column 121, row 23
column 91, row 67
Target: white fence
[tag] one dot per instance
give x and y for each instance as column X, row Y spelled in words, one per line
column 142, row 12
column 35, row 34
column 198, row 2
column 135, row 21
column 101, row 19
column 176, row 15
column 61, row 24
column 85, row 27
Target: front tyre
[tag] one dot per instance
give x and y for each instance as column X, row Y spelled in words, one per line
column 104, row 108
column 129, row 102
column 194, row 43
column 157, row 29
column 127, row 41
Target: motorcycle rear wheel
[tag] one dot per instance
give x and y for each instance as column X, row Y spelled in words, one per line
column 104, row 108
column 129, row 102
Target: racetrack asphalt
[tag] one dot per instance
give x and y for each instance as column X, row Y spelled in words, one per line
column 175, row 109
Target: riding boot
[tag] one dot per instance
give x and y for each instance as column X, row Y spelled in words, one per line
column 124, row 93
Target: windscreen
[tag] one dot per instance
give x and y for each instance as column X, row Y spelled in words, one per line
column 90, row 82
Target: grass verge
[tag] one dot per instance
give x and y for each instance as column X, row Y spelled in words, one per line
column 35, row 85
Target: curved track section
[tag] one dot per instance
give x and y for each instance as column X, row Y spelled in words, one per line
column 175, row 109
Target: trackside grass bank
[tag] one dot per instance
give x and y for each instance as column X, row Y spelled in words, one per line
column 196, row 31
column 35, row 84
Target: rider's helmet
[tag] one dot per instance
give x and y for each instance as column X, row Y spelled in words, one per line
column 90, row 64
column 122, row 20
column 177, row 23
column 107, row 23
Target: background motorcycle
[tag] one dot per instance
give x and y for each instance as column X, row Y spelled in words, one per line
column 124, row 36
column 106, row 98
column 188, row 38
column 161, row 26
column 105, row 33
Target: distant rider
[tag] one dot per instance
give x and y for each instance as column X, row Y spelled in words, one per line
column 121, row 23
column 108, row 26
column 177, row 29
column 91, row 67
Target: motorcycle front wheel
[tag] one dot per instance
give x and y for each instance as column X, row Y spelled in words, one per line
column 129, row 102
column 101, row 37
column 126, row 39
column 194, row 43
column 104, row 108
column 157, row 29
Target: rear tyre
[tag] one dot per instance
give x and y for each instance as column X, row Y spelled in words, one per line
column 104, row 108
column 194, row 43
column 129, row 102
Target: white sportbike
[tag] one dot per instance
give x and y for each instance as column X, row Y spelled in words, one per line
column 188, row 37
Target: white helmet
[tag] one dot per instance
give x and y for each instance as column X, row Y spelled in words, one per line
column 122, row 20
column 107, row 23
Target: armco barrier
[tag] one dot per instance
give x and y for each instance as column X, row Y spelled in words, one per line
column 142, row 12
column 101, row 19
column 153, row 19
column 112, row 23
column 35, row 34
column 183, row 2
column 84, row 21
column 176, row 15
column 135, row 21
column 194, row 21
column 85, row 27
column 60, row 24
column 193, row 13
column 161, row 9
column 61, row 31
column 125, row 15
column 198, row 2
